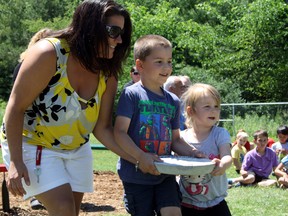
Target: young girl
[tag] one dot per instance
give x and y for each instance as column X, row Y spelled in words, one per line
column 202, row 104
column 238, row 151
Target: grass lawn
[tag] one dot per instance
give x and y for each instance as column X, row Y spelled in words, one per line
column 242, row 201
column 256, row 201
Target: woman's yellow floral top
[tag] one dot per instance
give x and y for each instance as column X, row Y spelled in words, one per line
column 55, row 119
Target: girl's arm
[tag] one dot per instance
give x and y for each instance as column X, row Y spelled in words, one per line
column 279, row 170
column 225, row 162
column 236, row 163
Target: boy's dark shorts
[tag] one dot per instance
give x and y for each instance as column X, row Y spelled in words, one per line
column 146, row 200
column 259, row 179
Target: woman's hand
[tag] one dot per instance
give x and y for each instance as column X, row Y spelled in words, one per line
column 15, row 174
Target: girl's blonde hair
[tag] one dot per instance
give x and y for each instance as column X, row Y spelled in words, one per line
column 45, row 32
column 192, row 95
column 241, row 134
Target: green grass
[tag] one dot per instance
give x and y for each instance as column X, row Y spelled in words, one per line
column 242, row 201
column 104, row 160
column 256, row 201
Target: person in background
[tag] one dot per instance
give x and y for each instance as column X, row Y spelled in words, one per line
column 175, row 85
column 247, row 145
column 49, row 118
column 202, row 111
column 281, row 172
column 258, row 163
column 42, row 33
column 281, row 147
column 147, row 126
column 238, row 151
column 186, row 82
column 135, row 77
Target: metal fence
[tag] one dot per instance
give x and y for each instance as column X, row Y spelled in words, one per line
column 229, row 116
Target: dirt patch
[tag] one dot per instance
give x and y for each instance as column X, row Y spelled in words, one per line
column 105, row 200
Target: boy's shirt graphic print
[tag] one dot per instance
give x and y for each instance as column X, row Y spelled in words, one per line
column 155, row 127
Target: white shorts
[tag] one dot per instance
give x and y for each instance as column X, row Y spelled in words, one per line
column 58, row 167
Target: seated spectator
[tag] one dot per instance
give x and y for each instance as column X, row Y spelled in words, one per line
column 238, row 151
column 281, row 172
column 258, row 163
column 281, row 147
column 247, row 145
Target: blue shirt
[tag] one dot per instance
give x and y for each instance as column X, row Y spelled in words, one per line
column 153, row 117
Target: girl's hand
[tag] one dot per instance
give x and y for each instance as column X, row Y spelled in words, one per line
column 15, row 174
column 219, row 169
column 146, row 163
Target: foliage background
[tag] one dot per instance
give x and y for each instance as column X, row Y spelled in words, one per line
column 239, row 46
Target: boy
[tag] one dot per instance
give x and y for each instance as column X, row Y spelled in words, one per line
column 147, row 125
column 281, row 147
column 238, row 151
column 282, row 172
column 258, row 163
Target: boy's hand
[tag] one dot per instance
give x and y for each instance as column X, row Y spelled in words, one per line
column 244, row 173
column 198, row 154
column 146, row 163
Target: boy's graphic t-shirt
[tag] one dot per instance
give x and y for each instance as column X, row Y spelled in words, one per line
column 153, row 117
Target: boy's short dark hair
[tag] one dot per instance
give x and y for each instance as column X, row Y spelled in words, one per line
column 259, row 133
column 283, row 129
column 145, row 44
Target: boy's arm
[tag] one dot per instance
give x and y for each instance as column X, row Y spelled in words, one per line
column 145, row 161
column 180, row 147
column 278, row 171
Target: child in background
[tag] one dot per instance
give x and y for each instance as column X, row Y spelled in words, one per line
column 281, row 147
column 247, row 145
column 281, row 172
column 147, row 125
column 202, row 103
column 258, row 163
column 238, row 151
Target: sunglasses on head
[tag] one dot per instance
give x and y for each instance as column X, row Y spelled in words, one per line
column 114, row 31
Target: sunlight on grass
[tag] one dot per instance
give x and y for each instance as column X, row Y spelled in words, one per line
column 256, row 201
column 104, row 160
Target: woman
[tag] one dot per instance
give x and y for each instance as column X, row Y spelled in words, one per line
column 65, row 90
